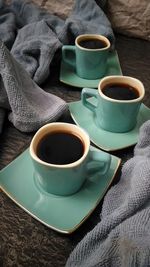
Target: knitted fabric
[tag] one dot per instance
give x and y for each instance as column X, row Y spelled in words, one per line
column 122, row 237
column 29, row 107
column 34, row 37
column 41, row 34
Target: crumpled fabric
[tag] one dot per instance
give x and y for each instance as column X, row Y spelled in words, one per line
column 29, row 107
column 131, row 18
column 30, row 39
column 122, row 237
column 34, row 35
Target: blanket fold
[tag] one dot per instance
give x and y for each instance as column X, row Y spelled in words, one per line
column 29, row 107
column 40, row 34
column 122, row 237
column 33, row 37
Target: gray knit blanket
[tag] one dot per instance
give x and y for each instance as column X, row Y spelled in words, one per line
column 30, row 37
column 122, row 237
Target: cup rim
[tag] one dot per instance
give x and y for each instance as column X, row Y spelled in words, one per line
column 122, row 79
column 92, row 36
column 56, row 125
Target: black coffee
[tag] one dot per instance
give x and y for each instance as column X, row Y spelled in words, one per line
column 93, row 43
column 60, row 148
column 120, row 91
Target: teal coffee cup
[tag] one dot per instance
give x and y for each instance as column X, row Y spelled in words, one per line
column 117, row 102
column 62, row 158
column 88, row 56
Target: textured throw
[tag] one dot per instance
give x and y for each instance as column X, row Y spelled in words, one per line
column 29, row 107
column 122, row 237
column 41, row 34
column 33, row 37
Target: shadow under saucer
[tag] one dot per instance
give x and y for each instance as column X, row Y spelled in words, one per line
column 69, row 76
column 105, row 140
column 61, row 213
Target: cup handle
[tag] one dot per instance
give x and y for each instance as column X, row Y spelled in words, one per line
column 68, row 55
column 88, row 92
column 98, row 162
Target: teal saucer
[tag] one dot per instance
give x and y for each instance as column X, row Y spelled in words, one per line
column 63, row 214
column 69, row 76
column 105, row 140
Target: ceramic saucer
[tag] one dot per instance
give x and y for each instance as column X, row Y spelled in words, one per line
column 63, row 214
column 68, row 75
column 103, row 139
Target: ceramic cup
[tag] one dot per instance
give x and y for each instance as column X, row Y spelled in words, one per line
column 88, row 56
column 66, row 179
column 115, row 115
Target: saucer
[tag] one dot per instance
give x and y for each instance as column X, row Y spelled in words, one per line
column 69, row 76
column 61, row 213
column 103, row 139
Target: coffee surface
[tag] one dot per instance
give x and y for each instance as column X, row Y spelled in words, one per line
column 93, row 43
column 120, row 91
column 60, row 148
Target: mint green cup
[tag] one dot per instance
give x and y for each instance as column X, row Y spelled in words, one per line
column 67, row 179
column 111, row 114
column 88, row 63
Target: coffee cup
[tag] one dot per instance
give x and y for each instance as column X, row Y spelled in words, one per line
column 62, row 158
column 117, row 102
column 88, row 56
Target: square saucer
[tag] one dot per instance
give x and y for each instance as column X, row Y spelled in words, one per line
column 61, row 213
column 105, row 140
column 69, row 76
